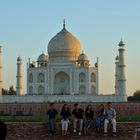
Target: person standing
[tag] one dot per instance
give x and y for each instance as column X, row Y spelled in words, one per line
column 78, row 114
column 110, row 114
column 52, row 112
column 88, row 120
column 65, row 113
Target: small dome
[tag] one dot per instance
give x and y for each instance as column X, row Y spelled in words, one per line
column 63, row 46
column 42, row 58
column 19, row 58
column 82, row 57
column 121, row 43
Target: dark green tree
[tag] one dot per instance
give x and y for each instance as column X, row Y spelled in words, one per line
column 137, row 93
column 11, row 91
column 135, row 97
column 4, row 91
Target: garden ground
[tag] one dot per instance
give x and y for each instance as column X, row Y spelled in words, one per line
column 38, row 131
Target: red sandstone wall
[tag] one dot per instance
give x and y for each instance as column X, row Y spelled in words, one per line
column 32, row 108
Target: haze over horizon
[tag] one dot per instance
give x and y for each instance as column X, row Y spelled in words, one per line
column 26, row 28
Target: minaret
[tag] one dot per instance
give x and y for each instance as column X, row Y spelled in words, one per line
column 121, row 70
column 1, row 71
column 116, row 74
column 19, row 77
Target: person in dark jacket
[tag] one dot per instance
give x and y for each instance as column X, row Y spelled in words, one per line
column 52, row 112
column 89, row 115
column 78, row 115
column 65, row 113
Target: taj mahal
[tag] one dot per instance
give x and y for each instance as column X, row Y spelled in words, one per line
column 64, row 74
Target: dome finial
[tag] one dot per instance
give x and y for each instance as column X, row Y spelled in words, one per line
column 121, row 44
column 64, row 23
column 19, row 58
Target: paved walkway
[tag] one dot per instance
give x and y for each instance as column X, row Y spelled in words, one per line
column 38, row 131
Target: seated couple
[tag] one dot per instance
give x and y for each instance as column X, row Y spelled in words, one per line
column 105, row 116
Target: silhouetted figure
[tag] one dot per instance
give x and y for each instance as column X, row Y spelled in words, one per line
column 3, row 131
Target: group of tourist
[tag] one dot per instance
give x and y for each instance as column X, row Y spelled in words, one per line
column 83, row 119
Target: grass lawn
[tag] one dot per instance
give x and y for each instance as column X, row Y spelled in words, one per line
column 22, row 118
column 42, row 118
column 128, row 118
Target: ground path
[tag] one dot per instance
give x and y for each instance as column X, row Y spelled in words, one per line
column 38, row 131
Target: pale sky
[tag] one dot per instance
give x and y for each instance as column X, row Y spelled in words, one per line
column 26, row 27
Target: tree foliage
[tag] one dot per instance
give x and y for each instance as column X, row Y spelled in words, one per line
column 137, row 93
column 135, row 97
column 10, row 91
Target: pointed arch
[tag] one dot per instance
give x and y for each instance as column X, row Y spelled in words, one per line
column 82, row 89
column 41, row 90
column 93, row 90
column 30, row 78
column 41, row 78
column 82, row 77
column 30, row 90
column 62, row 83
column 93, row 77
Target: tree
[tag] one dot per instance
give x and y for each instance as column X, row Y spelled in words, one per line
column 11, row 91
column 137, row 93
column 4, row 91
column 135, row 97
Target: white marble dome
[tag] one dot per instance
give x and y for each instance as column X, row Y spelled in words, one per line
column 82, row 57
column 64, row 46
column 42, row 58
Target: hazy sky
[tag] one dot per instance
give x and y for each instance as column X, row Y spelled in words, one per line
column 26, row 27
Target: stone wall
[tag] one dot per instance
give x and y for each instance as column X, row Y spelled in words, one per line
column 62, row 98
column 41, row 108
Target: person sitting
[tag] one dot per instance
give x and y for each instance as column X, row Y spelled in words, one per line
column 65, row 113
column 100, row 117
column 89, row 115
column 3, row 131
column 78, row 114
column 110, row 118
column 52, row 112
